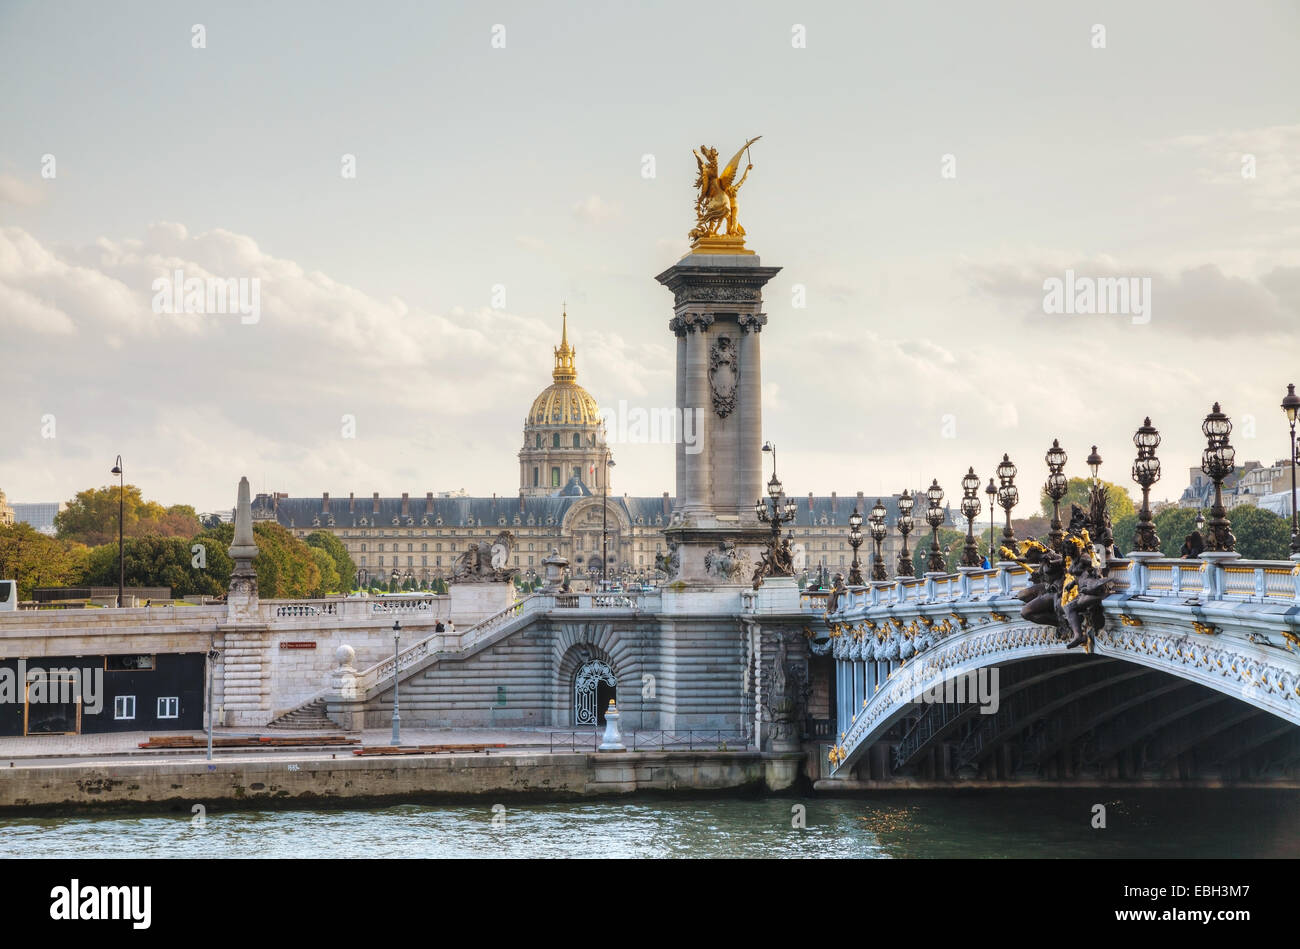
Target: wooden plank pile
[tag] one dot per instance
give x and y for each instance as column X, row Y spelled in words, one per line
column 422, row 749
column 277, row 741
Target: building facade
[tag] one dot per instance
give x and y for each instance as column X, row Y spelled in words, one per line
column 562, row 463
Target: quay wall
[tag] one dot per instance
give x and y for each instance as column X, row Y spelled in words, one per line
column 265, row 782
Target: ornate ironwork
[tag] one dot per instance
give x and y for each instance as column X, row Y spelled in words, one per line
column 1146, row 472
column 879, row 531
column 934, row 517
column 855, row 541
column 1056, row 487
column 905, row 502
column 970, row 509
column 1008, row 497
column 1218, row 460
column 585, row 687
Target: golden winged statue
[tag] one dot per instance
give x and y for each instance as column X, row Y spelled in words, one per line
column 715, row 202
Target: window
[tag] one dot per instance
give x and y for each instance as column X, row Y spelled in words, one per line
column 424, row 547
column 536, row 474
column 577, row 440
column 555, row 440
column 539, row 439
column 555, row 475
column 124, row 707
column 169, row 707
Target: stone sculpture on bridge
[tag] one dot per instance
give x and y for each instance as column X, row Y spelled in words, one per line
column 486, row 562
column 777, row 561
column 726, row 562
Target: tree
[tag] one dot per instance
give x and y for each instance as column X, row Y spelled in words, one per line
column 1119, row 502
column 284, row 565
column 37, row 560
column 344, row 566
column 1124, row 530
column 329, row 575
column 1261, row 534
column 150, row 561
column 92, row 516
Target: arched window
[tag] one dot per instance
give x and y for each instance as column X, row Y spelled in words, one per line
column 555, row 475
column 555, row 440
column 577, row 440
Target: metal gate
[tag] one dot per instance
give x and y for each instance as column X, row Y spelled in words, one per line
column 586, row 704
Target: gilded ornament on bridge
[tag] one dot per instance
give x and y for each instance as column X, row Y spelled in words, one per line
column 716, row 203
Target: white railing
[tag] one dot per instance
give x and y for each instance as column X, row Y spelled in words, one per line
column 1254, row 581
column 607, row 601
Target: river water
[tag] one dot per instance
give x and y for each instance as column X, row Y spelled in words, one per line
column 989, row 823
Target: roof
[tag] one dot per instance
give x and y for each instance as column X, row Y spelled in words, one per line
column 299, row 513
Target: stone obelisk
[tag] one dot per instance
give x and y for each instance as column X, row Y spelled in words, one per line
column 718, row 320
column 241, row 598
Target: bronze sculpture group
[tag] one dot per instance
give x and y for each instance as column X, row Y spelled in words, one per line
column 1066, row 584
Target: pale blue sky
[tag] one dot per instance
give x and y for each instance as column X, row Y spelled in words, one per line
column 522, row 166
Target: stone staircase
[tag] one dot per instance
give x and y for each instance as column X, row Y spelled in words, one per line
column 308, row 717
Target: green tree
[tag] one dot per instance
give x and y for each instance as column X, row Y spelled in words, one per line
column 150, row 561
column 92, row 516
column 1119, row 501
column 344, row 566
column 1124, row 530
column 329, row 575
column 37, row 560
column 1174, row 524
column 284, row 564
column 1261, row 535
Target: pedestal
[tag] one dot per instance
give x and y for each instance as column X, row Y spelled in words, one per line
column 717, row 321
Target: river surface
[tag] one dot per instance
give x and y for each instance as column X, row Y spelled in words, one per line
column 993, row 823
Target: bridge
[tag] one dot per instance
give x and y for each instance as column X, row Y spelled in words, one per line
column 1195, row 675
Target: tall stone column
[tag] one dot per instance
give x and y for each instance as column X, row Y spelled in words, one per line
column 717, row 304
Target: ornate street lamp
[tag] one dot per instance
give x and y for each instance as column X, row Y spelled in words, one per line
column 1218, row 460
column 855, row 541
column 934, row 516
column 1146, row 472
column 1008, row 497
column 879, row 531
column 1056, row 487
column 970, row 509
column 992, row 492
column 1291, row 406
column 121, row 519
column 397, row 716
column 1098, row 513
column 783, row 509
column 1199, row 523
column 604, row 517
column 905, row 502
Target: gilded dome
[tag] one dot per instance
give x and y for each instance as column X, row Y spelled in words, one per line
column 564, row 402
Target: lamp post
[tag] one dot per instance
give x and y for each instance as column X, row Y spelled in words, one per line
column 783, row 509
column 1056, row 487
column 905, row 504
column 992, row 492
column 1199, row 523
column 1146, row 472
column 1098, row 514
column 1008, row 497
column 934, row 516
column 1218, row 460
column 970, row 509
column 1291, row 406
column 855, row 541
column 879, row 530
column 121, row 516
column 397, row 715
column 604, row 518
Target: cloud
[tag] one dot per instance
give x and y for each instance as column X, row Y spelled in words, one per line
column 196, row 400
column 1195, row 301
column 16, row 191
column 596, row 210
column 1275, row 185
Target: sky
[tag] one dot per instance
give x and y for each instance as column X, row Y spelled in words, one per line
column 923, row 170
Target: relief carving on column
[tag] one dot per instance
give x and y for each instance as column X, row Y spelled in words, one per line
column 677, row 326
column 724, row 375
column 698, row 321
column 716, row 294
column 752, row 322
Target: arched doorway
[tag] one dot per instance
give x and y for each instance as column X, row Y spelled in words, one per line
column 593, row 688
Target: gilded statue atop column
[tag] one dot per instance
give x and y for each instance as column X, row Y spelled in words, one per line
column 716, row 203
